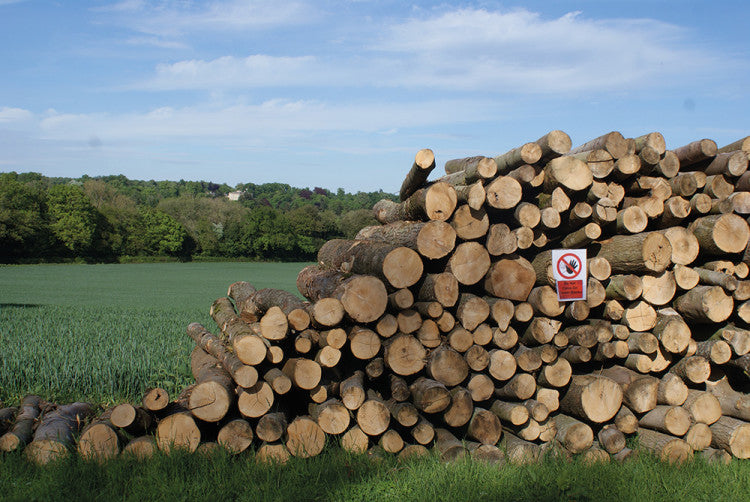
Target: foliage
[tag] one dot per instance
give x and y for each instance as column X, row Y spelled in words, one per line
column 73, row 219
column 112, row 218
column 23, row 224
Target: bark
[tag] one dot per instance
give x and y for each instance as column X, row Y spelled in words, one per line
column 424, row 163
column 435, row 202
column 399, row 266
column 432, row 239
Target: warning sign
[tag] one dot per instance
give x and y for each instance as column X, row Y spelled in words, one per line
column 569, row 269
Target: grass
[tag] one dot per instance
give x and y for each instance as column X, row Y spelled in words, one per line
column 105, row 333
column 338, row 476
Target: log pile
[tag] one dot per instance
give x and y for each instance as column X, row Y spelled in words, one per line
column 441, row 327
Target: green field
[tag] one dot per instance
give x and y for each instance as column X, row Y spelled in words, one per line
column 107, row 332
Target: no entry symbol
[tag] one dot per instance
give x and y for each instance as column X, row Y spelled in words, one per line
column 569, row 266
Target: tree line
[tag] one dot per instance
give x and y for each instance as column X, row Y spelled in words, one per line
column 113, row 218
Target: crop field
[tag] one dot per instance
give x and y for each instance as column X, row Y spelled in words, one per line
column 105, row 333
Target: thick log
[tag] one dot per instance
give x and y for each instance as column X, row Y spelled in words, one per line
column 178, row 431
column 363, row 297
column 271, row 427
column 685, row 246
column 599, row 161
column 667, row 448
column 521, row 387
column 672, row 420
column 470, row 224
column 305, row 438
column 255, row 401
column 695, row 152
column 511, row 278
column 142, row 448
column 672, row 390
column 721, row 234
column 447, row 366
column 442, row 288
column 484, row 427
column 469, row 263
column 624, row 287
column 424, row 163
column 404, row 354
column 731, row 435
column 611, row 439
column 594, row 398
column 529, row 153
column 435, row 202
column 503, row 192
column 705, row 304
column 430, row 396
column 213, row 393
column 554, row 144
column 155, row 399
column 575, row 436
column 240, row 291
column 704, row 407
column 695, row 369
column 613, row 142
column 326, row 312
column 567, row 172
column 400, row 266
column 473, row 168
column 644, row 252
column 733, row 403
column 432, row 239
column 698, row 436
column 235, row 436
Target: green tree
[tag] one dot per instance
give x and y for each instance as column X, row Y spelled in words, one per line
column 73, row 219
column 24, row 232
column 163, row 235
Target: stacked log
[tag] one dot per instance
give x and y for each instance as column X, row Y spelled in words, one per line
column 441, row 325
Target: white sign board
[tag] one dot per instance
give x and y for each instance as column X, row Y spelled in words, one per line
column 569, row 268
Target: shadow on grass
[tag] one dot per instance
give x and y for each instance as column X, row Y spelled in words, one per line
column 20, row 305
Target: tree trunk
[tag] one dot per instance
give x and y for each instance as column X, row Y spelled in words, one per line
column 235, row 436
column 55, row 434
column 22, row 431
column 668, row 448
column 644, row 252
column 363, row 297
column 511, row 278
column 213, row 393
column 613, row 142
column 731, row 435
column 435, row 202
column 432, row 239
column 399, row 266
column 424, row 163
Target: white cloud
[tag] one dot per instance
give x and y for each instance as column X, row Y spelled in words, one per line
column 520, row 51
column 170, row 18
column 231, row 72
column 14, row 115
column 472, row 50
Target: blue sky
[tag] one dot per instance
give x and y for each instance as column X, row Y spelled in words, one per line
column 344, row 93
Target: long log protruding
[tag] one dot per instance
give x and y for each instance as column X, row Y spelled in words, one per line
column 424, row 163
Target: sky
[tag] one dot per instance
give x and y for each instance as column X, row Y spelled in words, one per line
column 337, row 93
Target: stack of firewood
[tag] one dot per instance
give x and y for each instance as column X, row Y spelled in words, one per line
column 441, row 326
